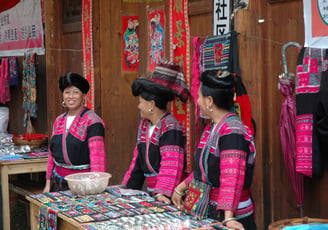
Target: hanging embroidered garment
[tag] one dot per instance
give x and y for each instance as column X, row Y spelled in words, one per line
column 242, row 102
column 13, row 71
column 221, row 53
column 312, row 109
column 196, row 82
column 216, row 53
column 4, row 82
column 47, row 218
column 29, row 86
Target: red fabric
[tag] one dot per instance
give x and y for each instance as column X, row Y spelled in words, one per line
column 87, row 41
column 7, row 4
column 180, row 55
column 246, row 111
column 196, row 83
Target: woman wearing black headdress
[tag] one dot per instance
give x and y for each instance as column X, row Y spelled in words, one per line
column 77, row 141
column 159, row 152
column 219, row 186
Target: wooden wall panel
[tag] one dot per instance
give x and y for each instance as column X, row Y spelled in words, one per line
column 251, row 52
column 119, row 107
column 63, row 54
column 53, row 59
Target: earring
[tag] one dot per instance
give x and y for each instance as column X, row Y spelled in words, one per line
column 83, row 102
column 209, row 109
column 151, row 111
column 63, row 104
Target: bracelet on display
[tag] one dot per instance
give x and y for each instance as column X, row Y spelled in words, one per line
column 178, row 192
column 224, row 222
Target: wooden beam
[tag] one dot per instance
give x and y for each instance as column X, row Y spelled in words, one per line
column 200, row 7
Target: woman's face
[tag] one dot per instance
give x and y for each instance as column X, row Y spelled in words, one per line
column 201, row 101
column 73, row 98
column 144, row 107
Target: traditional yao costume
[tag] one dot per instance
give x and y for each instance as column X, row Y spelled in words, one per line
column 159, row 158
column 159, row 154
column 78, row 147
column 231, row 153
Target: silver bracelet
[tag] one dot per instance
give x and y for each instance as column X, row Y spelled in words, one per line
column 178, row 192
column 157, row 195
column 224, row 222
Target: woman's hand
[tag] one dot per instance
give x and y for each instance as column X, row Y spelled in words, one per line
column 234, row 224
column 177, row 200
column 163, row 199
column 46, row 187
column 178, row 194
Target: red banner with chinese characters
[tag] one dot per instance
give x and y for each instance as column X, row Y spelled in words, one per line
column 180, row 55
column 156, row 38
column 88, row 67
column 130, row 43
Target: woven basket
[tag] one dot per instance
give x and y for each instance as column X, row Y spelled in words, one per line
column 34, row 140
column 280, row 224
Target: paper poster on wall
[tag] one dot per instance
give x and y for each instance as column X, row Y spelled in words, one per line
column 156, row 48
column 130, row 43
column 316, row 23
column 21, row 29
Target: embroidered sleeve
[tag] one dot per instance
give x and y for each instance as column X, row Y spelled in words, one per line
column 232, row 167
column 98, row 162
column 189, row 179
column 172, row 151
column 50, row 166
column 134, row 177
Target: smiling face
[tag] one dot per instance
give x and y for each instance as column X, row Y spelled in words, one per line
column 73, row 98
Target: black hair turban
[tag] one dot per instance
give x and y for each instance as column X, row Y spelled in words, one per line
column 74, row 79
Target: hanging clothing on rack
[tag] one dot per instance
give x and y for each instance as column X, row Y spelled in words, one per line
column 29, row 86
column 13, row 71
column 220, row 52
column 4, row 81
column 312, row 110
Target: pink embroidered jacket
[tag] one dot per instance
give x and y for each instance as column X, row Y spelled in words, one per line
column 229, row 164
column 160, row 160
column 82, row 144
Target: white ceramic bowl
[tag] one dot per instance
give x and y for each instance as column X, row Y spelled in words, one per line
column 88, row 183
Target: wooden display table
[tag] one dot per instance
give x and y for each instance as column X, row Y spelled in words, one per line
column 100, row 211
column 11, row 167
column 63, row 222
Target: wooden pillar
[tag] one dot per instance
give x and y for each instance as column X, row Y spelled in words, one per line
column 53, row 44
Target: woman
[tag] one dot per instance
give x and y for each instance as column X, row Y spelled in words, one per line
column 224, row 159
column 159, row 152
column 77, row 141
